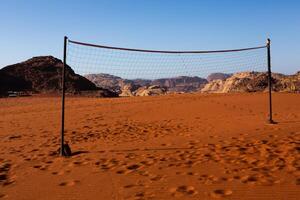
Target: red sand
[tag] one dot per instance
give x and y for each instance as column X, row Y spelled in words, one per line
column 189, row 146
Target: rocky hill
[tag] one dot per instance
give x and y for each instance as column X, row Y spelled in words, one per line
column 217, row 76
column 107, row 81
column 126, row 87
column 254, row 82
column 181, row 83
column 43, row 75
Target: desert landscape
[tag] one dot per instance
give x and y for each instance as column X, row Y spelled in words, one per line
column 150, row 100
column 171, row 138
column 175, row 146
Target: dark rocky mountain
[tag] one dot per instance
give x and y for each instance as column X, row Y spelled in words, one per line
column 43, row 75
column 12, row 83
column 217, row 76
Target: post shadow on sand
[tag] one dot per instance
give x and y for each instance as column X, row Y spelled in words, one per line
column 154, row 149
column 67, row 152
column 272, row 122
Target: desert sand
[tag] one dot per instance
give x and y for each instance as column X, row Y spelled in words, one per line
column 184, row 146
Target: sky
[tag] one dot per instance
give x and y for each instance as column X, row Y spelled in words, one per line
column 37, row 27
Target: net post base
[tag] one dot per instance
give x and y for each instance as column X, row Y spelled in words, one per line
column 271, row 121
column 65, row 151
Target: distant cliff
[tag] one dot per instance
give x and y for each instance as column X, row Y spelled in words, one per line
column 181, row 83
column 126, row 87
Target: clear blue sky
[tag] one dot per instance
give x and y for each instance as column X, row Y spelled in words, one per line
column 36, row 27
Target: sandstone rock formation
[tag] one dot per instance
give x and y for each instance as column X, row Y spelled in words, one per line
column 254, row 82
column 129, row 90
column 152, row 90
column 107, row 81
column 217, row 76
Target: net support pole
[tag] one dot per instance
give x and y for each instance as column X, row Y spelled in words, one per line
column 63, row 99
column 269, row 81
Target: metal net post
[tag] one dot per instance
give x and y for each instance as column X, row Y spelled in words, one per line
column 269, row 80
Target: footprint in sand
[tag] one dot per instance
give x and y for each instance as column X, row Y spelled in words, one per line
column 129, row 186
column 4, row 170
column 133, row 167
column 183, row 190
column 3, row 196
column 37, row 166
column 126, row 169
column 142, row 195
column 252, row 179
column 49, row 162
column 298, row 181
column 156, row 177
column 69, row 183
column 62, row 172
column 219, row 193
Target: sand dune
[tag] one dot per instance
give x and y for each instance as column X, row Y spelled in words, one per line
column 188, row 146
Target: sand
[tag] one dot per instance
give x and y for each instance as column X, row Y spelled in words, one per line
column 186, row 146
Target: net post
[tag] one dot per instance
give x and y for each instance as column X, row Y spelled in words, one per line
column 63, row 98
column 270, row 120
